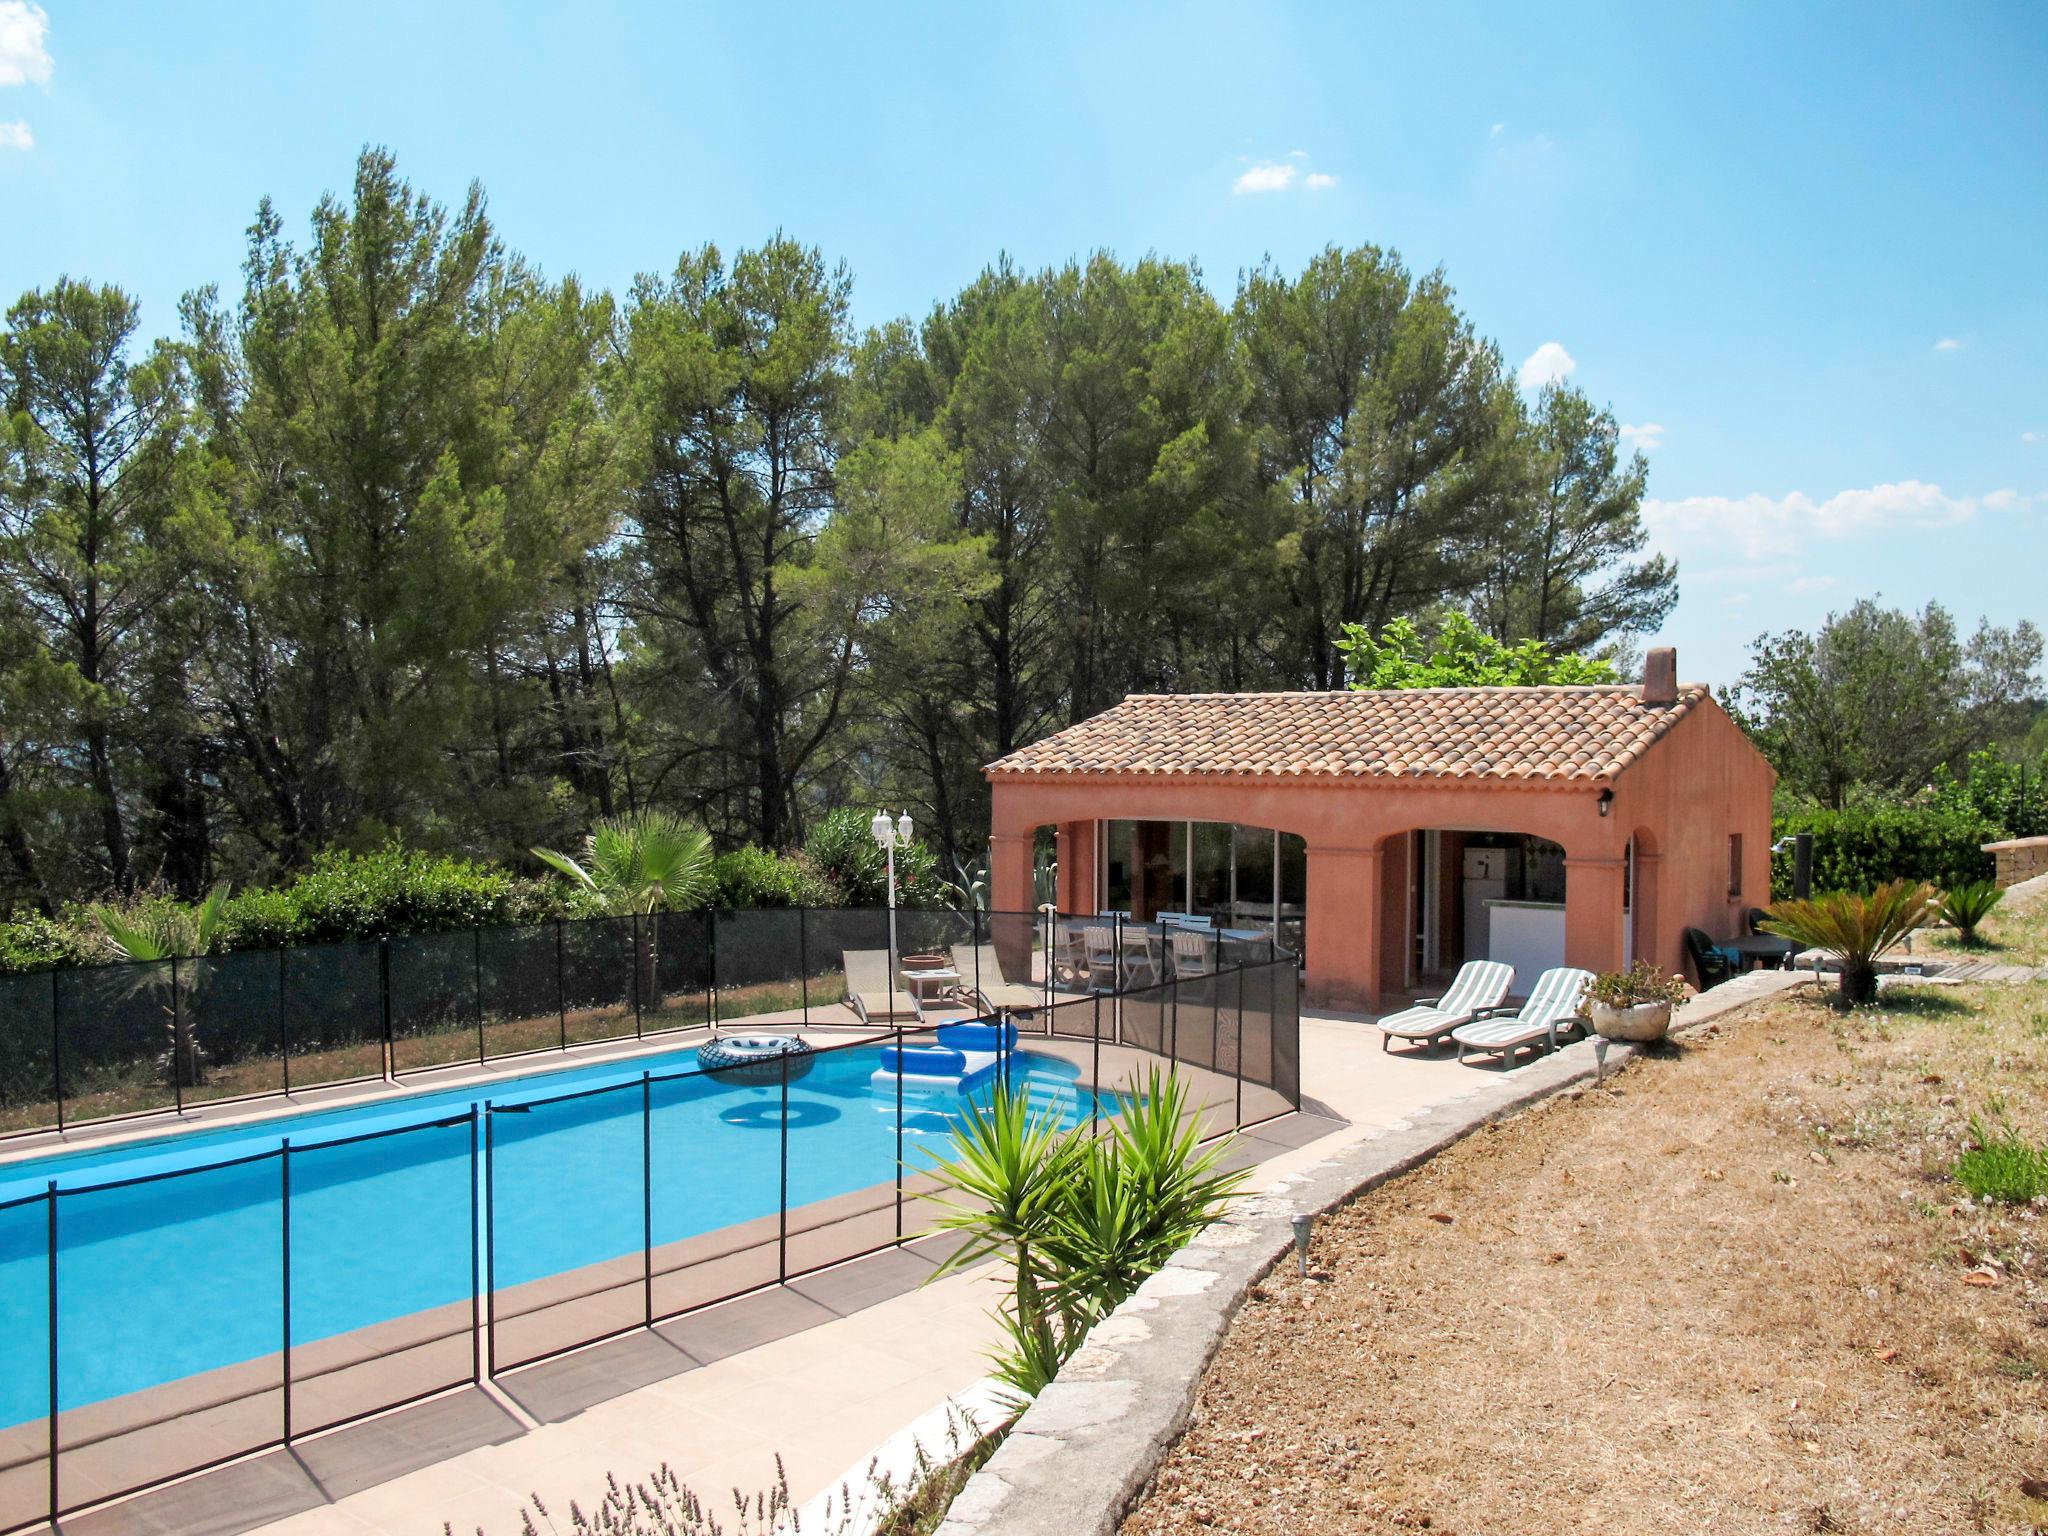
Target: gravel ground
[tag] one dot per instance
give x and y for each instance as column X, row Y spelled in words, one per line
column 1734, row 1291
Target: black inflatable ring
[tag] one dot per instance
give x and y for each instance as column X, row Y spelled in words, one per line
column 757, row 1060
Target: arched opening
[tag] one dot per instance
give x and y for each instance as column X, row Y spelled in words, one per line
column 1453, row 894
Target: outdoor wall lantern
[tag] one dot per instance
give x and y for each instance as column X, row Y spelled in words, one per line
column 1606, row 801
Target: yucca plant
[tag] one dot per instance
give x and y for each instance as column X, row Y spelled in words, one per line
column 1855, row 929
column 162, row 930
column 1081, row 1220
column 1967, row 905
column 634, row 866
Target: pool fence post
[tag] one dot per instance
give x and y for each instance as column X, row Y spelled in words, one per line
column 490, row 1231
column 384, row 1006
column 637, row 1034
column 782, row 1198
column 476, row 967
column 284, row 1244
column 1173, row 1002
column 646, row 1189
column 561, row 991
column 1216, row 1013
column 54, row 1504
column 476, row 1331
column 284, row 1025
column 711, row 981
column 899, row 1142
column 177, row 1043
column 803, row 963
column 1095, row 1074
column 1240, row 1044
column 56, row 1049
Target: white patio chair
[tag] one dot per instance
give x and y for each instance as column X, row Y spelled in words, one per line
column 1142, row 962
column 1099, row 957
column 1554, row 1005
column 1194, row 954
column 1479, row 985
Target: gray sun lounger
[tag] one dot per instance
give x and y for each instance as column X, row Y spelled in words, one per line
column 981, row 971
column 1478, row 986
column 1554, row 1005
column 868, row 992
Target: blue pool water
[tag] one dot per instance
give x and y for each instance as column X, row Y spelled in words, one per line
column 161, row 1279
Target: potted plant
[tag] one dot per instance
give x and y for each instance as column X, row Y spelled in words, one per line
column 1634, row 1004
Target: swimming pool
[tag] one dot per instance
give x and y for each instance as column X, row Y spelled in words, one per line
column 172, row 1252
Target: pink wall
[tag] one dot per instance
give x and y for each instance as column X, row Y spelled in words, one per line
column 1698, row 783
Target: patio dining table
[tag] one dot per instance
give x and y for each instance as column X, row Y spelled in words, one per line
column 1765, row 949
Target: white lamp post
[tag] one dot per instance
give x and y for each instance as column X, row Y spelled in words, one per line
column 889, row 837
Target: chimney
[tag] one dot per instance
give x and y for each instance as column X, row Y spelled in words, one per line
column 1660, row 676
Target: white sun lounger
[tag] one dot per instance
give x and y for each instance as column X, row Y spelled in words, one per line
column 1478, row 986
column 1554, row 1005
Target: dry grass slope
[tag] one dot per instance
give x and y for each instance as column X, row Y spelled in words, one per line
column 1739, row 1292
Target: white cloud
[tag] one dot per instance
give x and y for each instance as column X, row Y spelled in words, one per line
column 1810, row 584
column 1282, row 175
column 1948, row 344
column 23, row 58
column 1763, row 528
column 1546, row 365
column 1266, row 176
column 15, row 135
column 2030, row 437
column 1497, row 130
column 1649, row 437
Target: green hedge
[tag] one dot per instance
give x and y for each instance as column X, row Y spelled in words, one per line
column 394, row 890
column 1860, row 848
column 755, row 877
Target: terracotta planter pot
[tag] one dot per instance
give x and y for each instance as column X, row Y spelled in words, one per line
column 926, row 962
column 1642, row 1021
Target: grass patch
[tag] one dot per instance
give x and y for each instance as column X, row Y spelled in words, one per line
column 2003, row 1165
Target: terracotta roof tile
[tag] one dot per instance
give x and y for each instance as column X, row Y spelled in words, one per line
column 1487, row 733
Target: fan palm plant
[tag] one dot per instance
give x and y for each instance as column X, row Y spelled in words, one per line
column 1855, row 929
column 1967, row 905
column 634, row 866
column 168, row 930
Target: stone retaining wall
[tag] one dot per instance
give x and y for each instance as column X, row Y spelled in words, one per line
column 2018, row 858
column 1083, row 1453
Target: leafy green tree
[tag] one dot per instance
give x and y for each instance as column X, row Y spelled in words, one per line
column 87, row 465
column 1877, row 699
column 356, row 545
column 734, row 379
column 1459, row 655
column 651, row 861
column 1560, row 567
column 168, row 930
column 1388, row 421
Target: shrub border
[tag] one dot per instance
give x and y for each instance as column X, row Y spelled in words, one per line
column 1089, row 1446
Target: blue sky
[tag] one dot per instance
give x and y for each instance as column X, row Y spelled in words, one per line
column 1802, row 249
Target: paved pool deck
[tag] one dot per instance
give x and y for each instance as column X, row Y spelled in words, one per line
column 817, row 1372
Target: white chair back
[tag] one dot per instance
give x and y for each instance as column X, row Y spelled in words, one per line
column 1193, row 954
column 1556, row 997
column 1478, row 984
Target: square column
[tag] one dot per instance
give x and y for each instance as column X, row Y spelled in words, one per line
column 1592, row 913
column 1078, row 888
column 1009, row 874
column 1344, row 927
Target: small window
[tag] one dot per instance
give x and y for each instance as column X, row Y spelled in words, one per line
column 1734, row 865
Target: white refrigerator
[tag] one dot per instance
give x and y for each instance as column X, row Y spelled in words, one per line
column 1488, row 875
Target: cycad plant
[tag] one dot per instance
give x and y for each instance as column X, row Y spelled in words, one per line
column 1967, row 905
column 633, row 866
column 1855, row 929
column 1081, row 1220
column 164, row 930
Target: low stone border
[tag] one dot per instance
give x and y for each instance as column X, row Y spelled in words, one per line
column 1086, row 1449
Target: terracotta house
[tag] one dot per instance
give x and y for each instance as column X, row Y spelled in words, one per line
column 1388, row 836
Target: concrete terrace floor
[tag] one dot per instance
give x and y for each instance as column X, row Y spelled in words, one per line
column 818, row 1372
